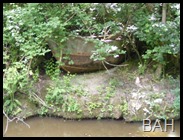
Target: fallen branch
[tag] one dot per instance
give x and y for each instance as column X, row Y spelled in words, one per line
column 40, row 100
column 10, row 120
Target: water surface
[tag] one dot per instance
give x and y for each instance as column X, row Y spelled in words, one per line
column 58, row 127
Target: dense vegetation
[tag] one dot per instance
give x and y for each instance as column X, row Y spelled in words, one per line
column 151, row 34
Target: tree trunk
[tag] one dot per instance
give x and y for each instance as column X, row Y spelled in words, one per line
column 160, row 67
column 164, row 13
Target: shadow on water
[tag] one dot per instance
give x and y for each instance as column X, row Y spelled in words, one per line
column 58, row 127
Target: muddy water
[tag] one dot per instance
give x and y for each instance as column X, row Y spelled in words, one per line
column 57, row 127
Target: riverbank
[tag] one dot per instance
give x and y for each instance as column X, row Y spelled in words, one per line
column 116, row 93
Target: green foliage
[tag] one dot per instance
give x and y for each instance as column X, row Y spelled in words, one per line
column 176, row 92
column 173, row 107
column 61, row 94
column 176, row 105
column 157, row 95
column 124, row 108
column 57, row 90
column 79, row 91
column 110, row 90
column 161, row 38
column 110, row 108
column 104, row 50
column 70, row 105
column 55, row 96
column 142, row 68
column 25, row 32
column 92, row 106
column 15, row 80
column 43, row 111
column 25, row 29
column 11, row 107
column 36, row 75
column 113, row 82
column 109, row 93
column 52, row 69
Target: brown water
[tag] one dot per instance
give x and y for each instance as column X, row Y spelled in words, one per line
column 57, row 127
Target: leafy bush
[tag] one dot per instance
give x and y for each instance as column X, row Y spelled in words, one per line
column 15, row 80
column 161, row 39
column 25, row 32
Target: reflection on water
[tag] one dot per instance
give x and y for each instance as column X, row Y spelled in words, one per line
column 57, row 127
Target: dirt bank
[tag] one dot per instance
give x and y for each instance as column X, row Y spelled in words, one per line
column 117, row 93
